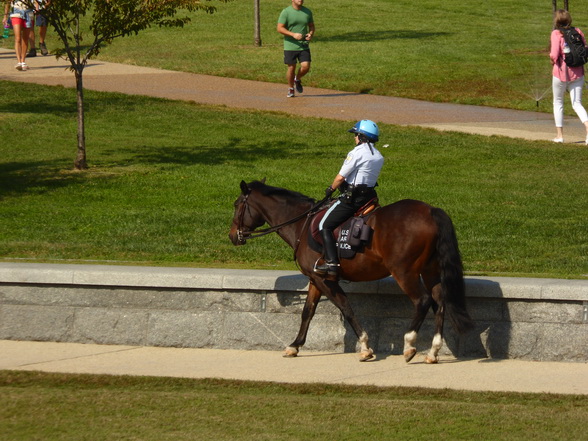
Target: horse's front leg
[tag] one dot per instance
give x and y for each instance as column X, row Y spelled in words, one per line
column 312, row 299
column 336, row 294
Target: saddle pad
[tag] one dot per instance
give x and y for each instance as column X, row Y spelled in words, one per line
column 352, row 235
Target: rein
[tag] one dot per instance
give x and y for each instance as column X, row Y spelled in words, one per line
column 242, row 235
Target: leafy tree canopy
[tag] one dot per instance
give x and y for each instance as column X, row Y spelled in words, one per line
column 110, row 19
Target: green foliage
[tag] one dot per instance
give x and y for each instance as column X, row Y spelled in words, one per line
column 45, row 406
column 165, row 174
column 112, row 19
column 108, row 20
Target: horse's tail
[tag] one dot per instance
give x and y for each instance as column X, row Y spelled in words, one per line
column 452, row 282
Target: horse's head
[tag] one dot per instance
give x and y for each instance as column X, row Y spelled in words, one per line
column 246, row 218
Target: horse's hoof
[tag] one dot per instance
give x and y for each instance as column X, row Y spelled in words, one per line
column 409, row 355
column 366, row 355
column 431, row 360
column 290, row 353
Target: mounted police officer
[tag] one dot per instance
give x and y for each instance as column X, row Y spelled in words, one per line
column 356, row 182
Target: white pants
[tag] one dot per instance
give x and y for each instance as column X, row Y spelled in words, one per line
column 559, row 89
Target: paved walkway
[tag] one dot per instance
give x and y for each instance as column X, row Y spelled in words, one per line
column 309, row 367
column 491, row 375
column 314, row 102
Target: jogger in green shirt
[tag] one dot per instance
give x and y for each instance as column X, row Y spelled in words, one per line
column 297, row 26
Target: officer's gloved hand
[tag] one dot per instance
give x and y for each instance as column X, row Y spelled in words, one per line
column 329, row 191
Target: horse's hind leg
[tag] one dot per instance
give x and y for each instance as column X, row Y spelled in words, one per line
column 312, row 299
column 439, row 309
column 422, row 301
column 421, row 308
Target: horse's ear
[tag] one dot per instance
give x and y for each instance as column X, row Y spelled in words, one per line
column 244, row 188
column 263, row 180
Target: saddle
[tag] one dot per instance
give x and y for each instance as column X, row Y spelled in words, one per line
column 351, row 235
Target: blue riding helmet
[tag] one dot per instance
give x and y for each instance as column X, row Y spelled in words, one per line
column 367, row 128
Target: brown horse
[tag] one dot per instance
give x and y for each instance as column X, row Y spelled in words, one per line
column 412, row 241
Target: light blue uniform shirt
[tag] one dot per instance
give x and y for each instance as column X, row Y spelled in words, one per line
column 362, row 165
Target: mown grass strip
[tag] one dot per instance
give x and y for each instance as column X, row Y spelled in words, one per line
column 164, row 176
column 47, row 406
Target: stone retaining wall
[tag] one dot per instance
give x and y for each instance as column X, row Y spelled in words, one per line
column 534, row 319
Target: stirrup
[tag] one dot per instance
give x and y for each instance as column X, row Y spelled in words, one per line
column 331, row 269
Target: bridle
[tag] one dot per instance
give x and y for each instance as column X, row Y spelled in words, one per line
column 242, row 236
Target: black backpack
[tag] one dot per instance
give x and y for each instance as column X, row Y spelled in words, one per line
column 578, row 55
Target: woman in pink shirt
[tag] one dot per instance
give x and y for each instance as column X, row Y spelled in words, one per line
column 564, row 77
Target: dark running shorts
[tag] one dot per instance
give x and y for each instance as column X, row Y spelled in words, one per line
column 290, row 57
column 41, row 21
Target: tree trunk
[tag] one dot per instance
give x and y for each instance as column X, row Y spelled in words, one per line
column 80, row 162
column 257, row 33
column 566, row 5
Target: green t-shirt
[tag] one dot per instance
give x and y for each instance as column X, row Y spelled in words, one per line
column 297, row 22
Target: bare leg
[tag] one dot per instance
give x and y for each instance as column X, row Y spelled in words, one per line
column 21, row 42
column 290, row 73
column 32, row 36
column 42, row 34
column 304, row 69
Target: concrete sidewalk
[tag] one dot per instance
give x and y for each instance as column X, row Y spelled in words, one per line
column 490, row 375
column 309, row 367
column 320, row 103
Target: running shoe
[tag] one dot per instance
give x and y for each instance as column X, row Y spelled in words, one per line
column 24, row 66
column 290, row 93
column 298, row 84
column 43, row 48
column 32, row 53
column 558, row 140
column 19, row 66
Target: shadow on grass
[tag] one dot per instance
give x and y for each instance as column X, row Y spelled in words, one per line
column 30, row 105
column 235, row 150
column 40, row 177
column 62, row 102
column 35, row 177
column 383, row 35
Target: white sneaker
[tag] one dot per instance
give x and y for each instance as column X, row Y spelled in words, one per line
column 586, row 139
column 24, row 66
column 19, row 66
column 559, row 140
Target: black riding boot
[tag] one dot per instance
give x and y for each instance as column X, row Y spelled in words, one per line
column 331, row 265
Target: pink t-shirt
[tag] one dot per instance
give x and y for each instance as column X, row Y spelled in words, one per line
column 560, row 69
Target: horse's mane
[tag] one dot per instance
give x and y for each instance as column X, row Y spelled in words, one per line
column 268, row 190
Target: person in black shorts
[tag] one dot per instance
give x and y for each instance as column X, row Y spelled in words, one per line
column 297, row 26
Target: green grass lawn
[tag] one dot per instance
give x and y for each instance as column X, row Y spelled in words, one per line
column 488, row 53
column 91, row 407
column 164, row 175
